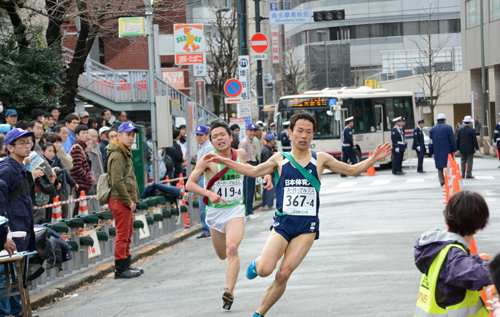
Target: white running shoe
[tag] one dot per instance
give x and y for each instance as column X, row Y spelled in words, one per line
column 253, row 216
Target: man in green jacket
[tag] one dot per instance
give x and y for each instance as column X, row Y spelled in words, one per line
column 123, row 198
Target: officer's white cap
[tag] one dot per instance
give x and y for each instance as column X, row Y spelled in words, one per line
column 396, row 119
column 349, row 119
column 441, row 116
column 286, row 123
column 467, row 119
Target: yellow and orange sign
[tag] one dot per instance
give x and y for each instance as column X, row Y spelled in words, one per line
column 189, row 44
column 372, row 83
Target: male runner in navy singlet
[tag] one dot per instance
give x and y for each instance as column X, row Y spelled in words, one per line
column 296, row 223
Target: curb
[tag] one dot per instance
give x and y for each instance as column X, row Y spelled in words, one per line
column 73, row 282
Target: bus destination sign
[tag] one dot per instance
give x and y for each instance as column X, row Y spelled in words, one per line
column 308, row 102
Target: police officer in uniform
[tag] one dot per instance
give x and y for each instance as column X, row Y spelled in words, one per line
column 286, row 145
column 496, row 139
column 419, row 144
column 398, row 146
column 348, row 143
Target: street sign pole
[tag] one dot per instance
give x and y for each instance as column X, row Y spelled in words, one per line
column 260, row 89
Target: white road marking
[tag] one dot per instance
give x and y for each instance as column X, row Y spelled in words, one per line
column 381, row 182
column 346, row 184
column 485, row 177
column 415, row 180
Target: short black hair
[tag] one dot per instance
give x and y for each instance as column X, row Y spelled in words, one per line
column 53, row 108
column 495, row 271
column 120, row 112
column 53, row 138
column 45, row 135
column 175, row 134
column 48, row 144
column 218, row 124
column 182, row 126
column 37, row 113
column 57, row 128
column 33, row 123
column 92, row 120
column 234, row 127
column 104, row 112
column 23, row 124
column 302, row 115
column 70, row 117
column 2, row 140
column 81, row 127
column 466, row 212
column 48, row 114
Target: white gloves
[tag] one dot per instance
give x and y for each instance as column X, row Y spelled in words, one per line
column 397, row 150
column 418, row 148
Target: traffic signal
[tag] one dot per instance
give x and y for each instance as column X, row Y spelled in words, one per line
column 320, row 16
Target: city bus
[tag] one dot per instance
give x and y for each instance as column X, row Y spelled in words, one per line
column 373, row 111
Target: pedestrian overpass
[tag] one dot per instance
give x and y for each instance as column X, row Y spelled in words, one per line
column 127, row 90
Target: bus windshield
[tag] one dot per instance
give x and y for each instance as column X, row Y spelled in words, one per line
column 326, row 126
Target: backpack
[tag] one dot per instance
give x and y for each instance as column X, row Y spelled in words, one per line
column 169, row 163
column 104, row 189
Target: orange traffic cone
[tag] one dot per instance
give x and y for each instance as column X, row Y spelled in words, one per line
column 451, row 184
column 82, row 208
column 181, row 180
column 187, row 222
column 56, row 211
column 460, row 182
column 371, row 170
column 167, row 180
column 456, row 186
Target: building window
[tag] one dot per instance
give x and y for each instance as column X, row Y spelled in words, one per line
column 473, row 12
column 495, row 9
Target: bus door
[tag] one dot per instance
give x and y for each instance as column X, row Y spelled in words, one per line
column 379, row 124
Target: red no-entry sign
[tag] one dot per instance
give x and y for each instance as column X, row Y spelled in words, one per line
column 259, row 43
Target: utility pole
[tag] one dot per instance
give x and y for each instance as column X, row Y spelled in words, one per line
column 151, row 85
column 242, row 4
column 260, row 89
column 483, row 75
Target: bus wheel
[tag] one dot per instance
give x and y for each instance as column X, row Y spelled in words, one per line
column 358, row 154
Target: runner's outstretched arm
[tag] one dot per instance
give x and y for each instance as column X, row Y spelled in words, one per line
column 331, row 163
column 192, row 186
column 245, row 169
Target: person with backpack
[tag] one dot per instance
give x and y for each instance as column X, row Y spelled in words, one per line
column 19, row 206
column 81, row 172
column 123, row 198
column 206, row 146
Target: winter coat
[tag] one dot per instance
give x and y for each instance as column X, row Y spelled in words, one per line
column 119, row 165
column 96, row 167
column 443, row 143
column 459, row 272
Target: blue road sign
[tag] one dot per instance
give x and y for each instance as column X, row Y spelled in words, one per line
column 233, row 87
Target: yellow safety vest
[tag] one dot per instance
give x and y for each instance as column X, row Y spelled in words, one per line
column 472, row 305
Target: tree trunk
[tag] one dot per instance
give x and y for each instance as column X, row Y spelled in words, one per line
column 17, row 22
column 217, row 105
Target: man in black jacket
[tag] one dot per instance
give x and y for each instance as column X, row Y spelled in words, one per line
column 467, row 145
column 267, row 152
column 419, row 144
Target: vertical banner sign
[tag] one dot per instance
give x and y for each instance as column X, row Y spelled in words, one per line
column 244, row 77
column 193, row 123
column 200, row 92
column 275, row 38
column 189, row 44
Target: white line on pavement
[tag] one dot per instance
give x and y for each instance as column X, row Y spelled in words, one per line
column 346, row 184
column 415, row 180
column 381, row 182
column 485, row 177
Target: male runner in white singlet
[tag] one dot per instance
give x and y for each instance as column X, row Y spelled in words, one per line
column 226, row 211
column 296, row 223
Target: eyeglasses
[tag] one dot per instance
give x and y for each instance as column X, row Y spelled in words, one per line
column 24, row 143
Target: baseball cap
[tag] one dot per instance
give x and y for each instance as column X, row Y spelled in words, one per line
column 127, row 127
column 270, row 137
column 201, row 129
column 11, row 112
column 83, row 114
column 252, row 126
column 104, row 129
column 15, row 134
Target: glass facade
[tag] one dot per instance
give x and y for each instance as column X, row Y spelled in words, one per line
column 494, row 9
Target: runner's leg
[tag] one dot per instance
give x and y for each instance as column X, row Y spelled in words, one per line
column 294, row 254
column 235, row 229
column 271, row 253
column 219, row 243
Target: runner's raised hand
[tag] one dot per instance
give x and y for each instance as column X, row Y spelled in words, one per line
column 382, row 150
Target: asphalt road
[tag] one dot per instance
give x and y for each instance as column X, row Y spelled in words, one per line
column 362, row 265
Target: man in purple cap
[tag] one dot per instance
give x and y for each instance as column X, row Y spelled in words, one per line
column 19, row 206
column 267, row 152
column 251, row 156
column 123, row 198
column 203, row 139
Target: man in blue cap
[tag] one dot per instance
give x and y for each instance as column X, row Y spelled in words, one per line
column 251, row 157
column 11, row 117
column 203, row 139
column 123, row 198
column 19, row 206
column 419, row 144
column 267, row 152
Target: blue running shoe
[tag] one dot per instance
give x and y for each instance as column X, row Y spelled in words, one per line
column 252, row 270
column 257, row 315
